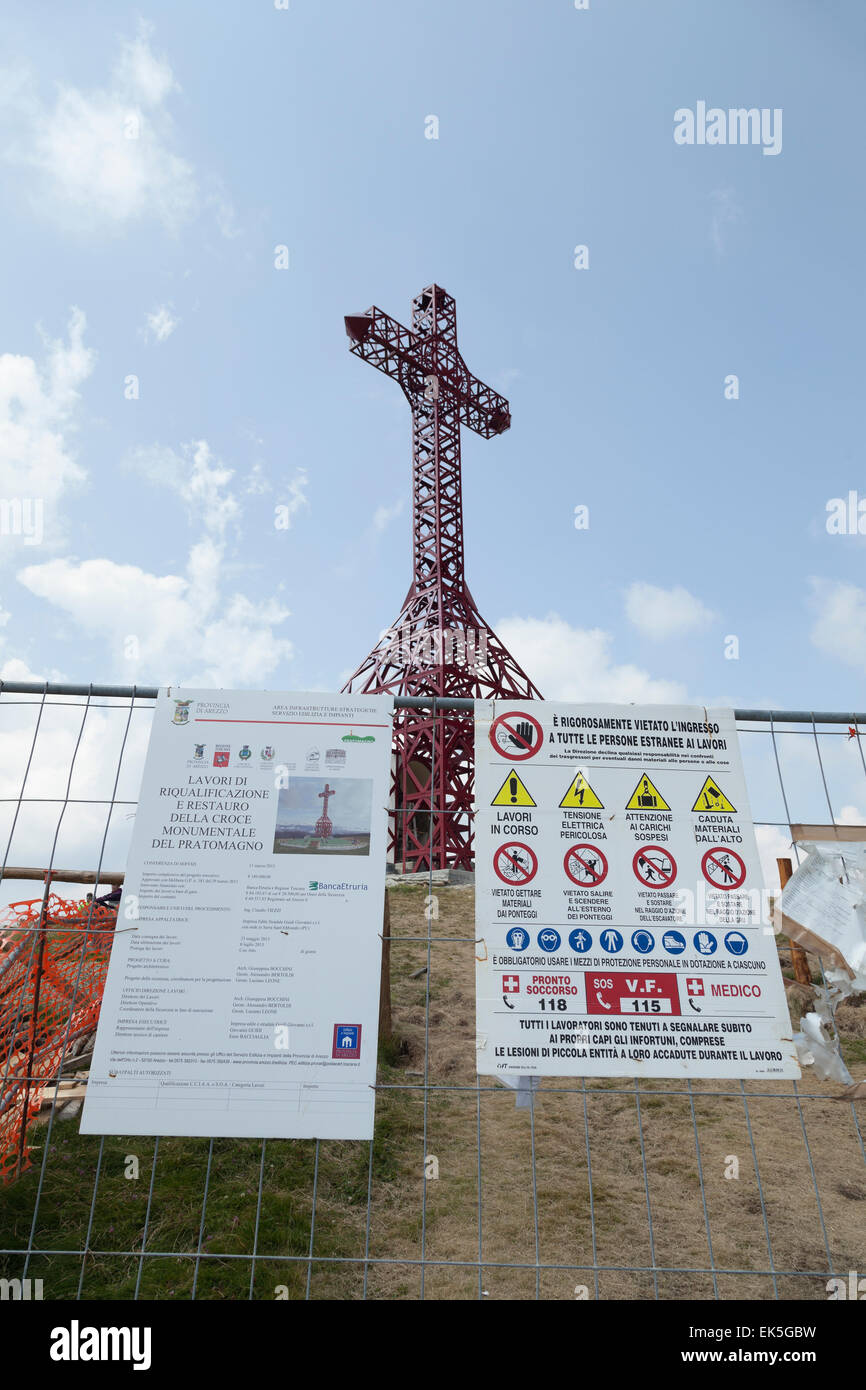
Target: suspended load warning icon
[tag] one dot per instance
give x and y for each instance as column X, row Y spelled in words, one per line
column 712, row 798
column 512, row 793
column 581, row 796
column 646, row 797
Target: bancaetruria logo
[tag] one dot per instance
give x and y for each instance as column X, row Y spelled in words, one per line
column 737, row 126
column 317, row 883
column 77, row 1343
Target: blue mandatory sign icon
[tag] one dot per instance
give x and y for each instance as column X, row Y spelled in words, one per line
column 736, row 943
column 674, row 942
column 517, row 938
column 549, row 940
column 611, row 940
column 643, row 941
column 579, row 940
column 705, row 943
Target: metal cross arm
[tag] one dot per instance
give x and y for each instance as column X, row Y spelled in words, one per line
column 428, row 367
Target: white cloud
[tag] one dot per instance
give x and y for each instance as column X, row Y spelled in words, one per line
column 104, row 157
column 296, row 489
column 37, row 409
column 256, row 481
column 727, row 212
column 173, row 628
column 197, row 477
column 160, row 323
column 851, row 815
column 571, row 663
column 383, row 516
column 660, row 613
column 840, row 629
column 177, row 629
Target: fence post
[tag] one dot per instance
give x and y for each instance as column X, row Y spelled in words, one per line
column 34, row 1023
column 385, row 987
column 802, row 973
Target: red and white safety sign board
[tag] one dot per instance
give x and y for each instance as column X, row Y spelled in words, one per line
column 621, row 919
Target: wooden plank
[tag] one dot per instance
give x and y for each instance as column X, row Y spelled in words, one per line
column 845, row 834
column 112, row 876
column 802, row 973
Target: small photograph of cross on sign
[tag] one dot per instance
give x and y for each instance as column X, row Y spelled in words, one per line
column 516, row 735
column 654, row 867
column 723, row 868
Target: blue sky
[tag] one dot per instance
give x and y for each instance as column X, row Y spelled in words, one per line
column 153, row 257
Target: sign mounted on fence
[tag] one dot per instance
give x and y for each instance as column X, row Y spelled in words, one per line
column 243, row 989
column 621, row 925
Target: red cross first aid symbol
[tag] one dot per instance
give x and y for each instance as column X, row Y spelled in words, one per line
column 695, row 986
column 510, row 984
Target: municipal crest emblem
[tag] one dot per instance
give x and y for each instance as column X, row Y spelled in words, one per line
column 181, row 711
column 268, row 753
column 246, row 752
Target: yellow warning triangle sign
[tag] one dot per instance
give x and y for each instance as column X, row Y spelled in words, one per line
column 646, row 797
column 512, row 793
column 712, row 798
column 580, row 795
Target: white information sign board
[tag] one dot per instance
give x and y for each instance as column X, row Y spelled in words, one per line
column 243, row 989
column 619, row 897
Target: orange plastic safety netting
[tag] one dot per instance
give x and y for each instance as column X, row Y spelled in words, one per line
column 53, row 961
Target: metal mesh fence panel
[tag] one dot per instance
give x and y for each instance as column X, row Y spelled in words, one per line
column 600, row 1189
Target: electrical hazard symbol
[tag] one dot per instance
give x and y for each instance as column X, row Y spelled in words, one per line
column 581, row 795
column 712, row 798
column 646, row 797
column 512, row 793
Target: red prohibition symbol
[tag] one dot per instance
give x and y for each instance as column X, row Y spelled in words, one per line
column 585, row 865
column 515, row 863
column 654, row 866
column 516, row 735
column 723, row 868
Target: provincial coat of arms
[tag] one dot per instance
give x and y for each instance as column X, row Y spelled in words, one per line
column 181, row 711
